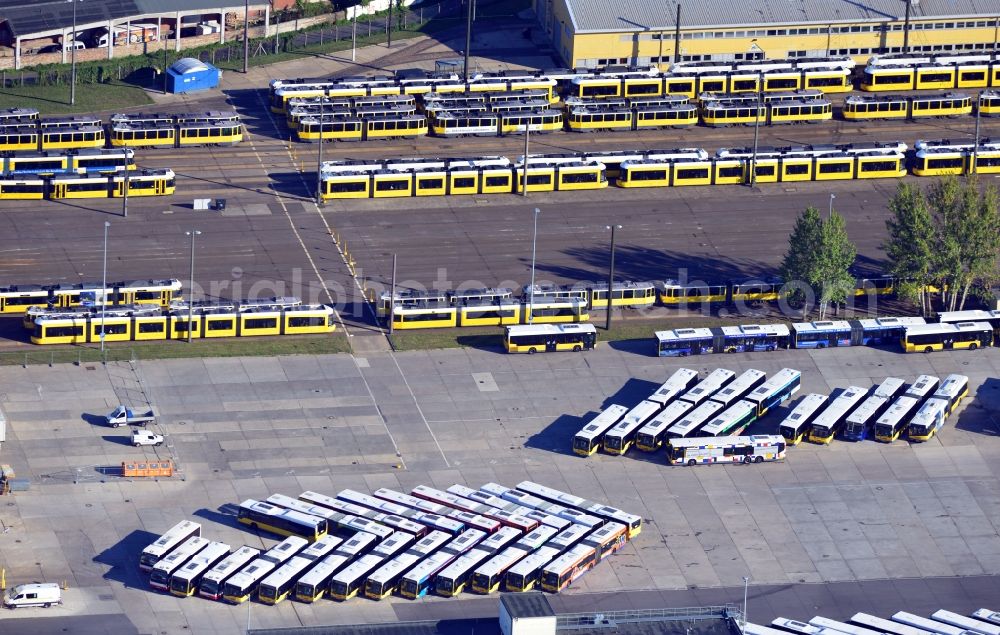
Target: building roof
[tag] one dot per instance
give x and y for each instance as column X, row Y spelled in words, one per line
column 525, row 605
column 596, row 16
column 26, row 19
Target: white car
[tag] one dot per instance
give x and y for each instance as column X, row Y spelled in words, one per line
column 145, row 437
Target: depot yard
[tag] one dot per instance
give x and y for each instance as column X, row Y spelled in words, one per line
column 247, row 427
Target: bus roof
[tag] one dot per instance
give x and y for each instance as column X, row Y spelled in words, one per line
column 502, row 561
column 180, row 555
column 321, row 547
column 950, row 327
column 952, row 386
column 287, row 571
column 739, row 385
column 549, row 329
column 285, row 549
column 827, row 326
column 429, row 566
column 721, row 423
column 254, row 571
column 695, row 418
column 395, row 567
column 429, row 543
column 360, row 567
column 755, row 329
column 706, row 387
column 868, row 408
column 929, row 411
column 534, row 561
column 680, row 381
column 324, row 570
column 603, row 421
column 902, row 407
column 923, row 386
column 636, row 417
column 684, row 334
column 203, row 560
column 716, row 442
column 973, row 315
column 889, row 388
column 232, row 563
column 565, row 560
column 667, row 416
column 464, row 563
column 776, row 382
column 890, row 322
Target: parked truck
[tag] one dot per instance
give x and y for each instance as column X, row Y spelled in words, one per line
column 121, row 416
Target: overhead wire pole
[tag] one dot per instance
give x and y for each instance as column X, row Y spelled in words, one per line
column 975, row 148
column 611, row 274
column 192, row 234
column 104, row 285
column 319, row 159
column 125, row 185
column 388, row 42
column 354, row 35
column 392, row 296
column 468, row 38
column 756, row 129
column 524, row 180
column 677, row 35
column 906, row 28
column 246, row 35
column 72, row 57
column 531, row 289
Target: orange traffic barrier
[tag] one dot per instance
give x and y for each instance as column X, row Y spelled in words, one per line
column 148, row 468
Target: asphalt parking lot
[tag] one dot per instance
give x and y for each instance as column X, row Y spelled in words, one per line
column 242, row 428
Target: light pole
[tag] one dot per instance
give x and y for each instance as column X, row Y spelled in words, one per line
column 527, row 134
column 104, row 284
column 611, row 273
column 746, row 583
column 192, row 234
column 72, row 59
column 388, row 33
column 829, row 212
column 165, row 39
column 975, row 147
column 756, row 128
column 319, row 157
column 354, row 35
column 468, row 38
column 125, row 186
column 531, row 289
column 246, row 35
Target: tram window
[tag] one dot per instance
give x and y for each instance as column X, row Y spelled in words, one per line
column 878, row 166
column 744, row 85
column 497, row 181
column 86, row 187
column 936, row 77
column 151, row 327
column 182, row 327
column 111, row 329
column 984, row 162
column 782, row 83
column 893, row 79
column 26, row 301
column 430, row 183
column 147, row 295
column 260, row 323
column 765, row 170
column 731, row 171
column 63, row 331
column 145, row 184
column 644, row 89
column 797, row 169
column 692, row 173
column 219, row 325
column 972, row 76
column 423, row 317
column 21, row 188
column 647, row 175
column 464, row 182
column 583, row 177
column 392, row 186
column 937, row 164
column 599, row 91
column 824, row 81
column 55, row 164
column 834, row 168
column 299, row 322
column 713, row 86
column 539, row 179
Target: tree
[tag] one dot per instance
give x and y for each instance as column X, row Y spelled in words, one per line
column 832, row 262
column 910, row 245
column 803, row 244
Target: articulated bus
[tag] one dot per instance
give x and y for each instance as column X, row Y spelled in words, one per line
column 285, row 550
column 450, row 581
column 752, row 449
column 487, row 578
column 968, row 623
column 863, row 420
column 568, row 538
column 886, row 626
column 279, row 584
column 159, row 577
column 681, row 381
column 589, row 439
column 477, row 521
column 938, row 337
column 525, row 574
column 650, row 436
column 167, row 543
column 567, row 568
column 346, row 583
column 732, row 421
column 411, row 501
column 384, row 580
column 776, row 390
column 535, row 539
column 238, row 588
column 693, row 420
column 739, row 387
column 283, row 522
column 933, row 413
column 419, row 580
column 212, row 582
column 620, row 438
column 829, row 422
column 894, row 421
column 311, row 508
column 799, row 420
column 315, row 582
column 632, row 522
column 716, row 380
column 607, row 540
column 184, row 583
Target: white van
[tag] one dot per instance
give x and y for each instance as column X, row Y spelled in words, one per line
column 45, row 595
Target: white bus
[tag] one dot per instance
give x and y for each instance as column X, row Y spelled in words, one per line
column 953, row 389
column 632, row 522
column 450, row 581
column 429, row 543
column 650, row 436
column 692, row 420
column 535, row 539
column 419, row 580
column 568, row 538
column 412, row 501
column 928, row 420
column 212, row 582
column 753, row 449
column 756, row 629
column 279, row 584
column 167, row 543
column 862, row 419
column 776, row 390
column 890, row 388
column 464, row 541
column 829, row 422
column 321, row 548
column 159, row 577
column 887, row 626
column 534, row 338
column 986, row 615
column 315, row 582
column 620, row 438
column 707, row 387
column 731, row 421
column 393, row 545
column 896, row 418
column 488, row 576
column 589, row 439
column 796, row 626
column 384, row 580
column 346, row 583
column 238, row 588
column 968, row 623
column 850, row 629
column 184, row 583
column 284, row 550
column 682, row 380
column 917, row 621
column 357, row 545
column 740, row 387
column 797, row 423
column 524, row 575
column 923, row 387
column 546, row 519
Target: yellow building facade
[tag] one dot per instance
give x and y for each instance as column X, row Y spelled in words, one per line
column 591, row 33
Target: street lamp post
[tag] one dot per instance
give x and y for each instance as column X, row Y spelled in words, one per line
column 319, row 157
column 165, row 39
column 527, row 134
column 354, row 35
column 125, row 185
column 975, row 147
column 746, row 583
column 829, row 212
column 104, row 284
column 531, row 289
column 611, row 274
column 192, row 234
column 246, row 35
column 756, row 129
column 72, row 58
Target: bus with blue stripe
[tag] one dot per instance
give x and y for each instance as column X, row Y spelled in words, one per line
column 823, row 334
column 420, row 579
column 731, row 421
column 776, row 390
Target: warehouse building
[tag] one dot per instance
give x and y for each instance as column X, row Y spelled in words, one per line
column 591, row 33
